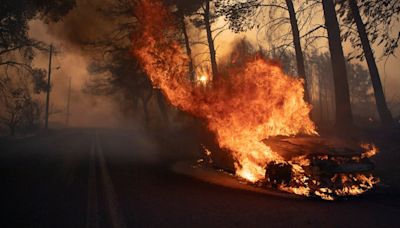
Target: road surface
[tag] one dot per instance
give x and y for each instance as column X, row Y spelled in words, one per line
column 120, row 178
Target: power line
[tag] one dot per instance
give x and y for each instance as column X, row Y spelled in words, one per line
column 68, row 105
column 48, row 89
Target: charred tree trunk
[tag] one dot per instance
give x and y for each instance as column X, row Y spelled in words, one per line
column 210, row 40
column 384, row 113
column 187, row 44
column 297, row 47
column 343, row 115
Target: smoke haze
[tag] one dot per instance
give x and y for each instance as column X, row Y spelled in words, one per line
column 86, row 23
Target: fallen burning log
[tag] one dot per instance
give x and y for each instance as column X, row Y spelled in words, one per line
column 314, row 166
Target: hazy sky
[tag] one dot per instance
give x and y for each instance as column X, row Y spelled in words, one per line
column 86, row 110
column 389, row 69
column 84, row 23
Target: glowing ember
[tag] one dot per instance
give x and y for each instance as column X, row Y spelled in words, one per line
column 203, row 79
column 254, row 101
column 371, row 150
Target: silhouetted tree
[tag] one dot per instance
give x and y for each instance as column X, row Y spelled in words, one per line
column 384, row 113
column 343, row 115
column 18, row 79
column 360, row 85
column 322, row 87
column 297, row 46
column 242, row 16
column 206, row 16
column 18, row 109
column 186, row 8
column 14, row 18
column 207, row 23
column 181, row 16
column 116, row 71
column 120, row 74
column 242, row 49
column 380, row 18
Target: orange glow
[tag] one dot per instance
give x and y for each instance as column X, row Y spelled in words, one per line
column 370, row 150
column 343, row 184
column 203, row 79
column 258, row 102
column 252, row 102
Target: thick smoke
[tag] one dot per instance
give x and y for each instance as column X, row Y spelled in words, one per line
column 71, row 37
column 85, row 23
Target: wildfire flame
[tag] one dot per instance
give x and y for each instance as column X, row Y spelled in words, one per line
column 252, row 102
column 341, row 184
column 203, row 79
column 259, row 102
column 370, row 150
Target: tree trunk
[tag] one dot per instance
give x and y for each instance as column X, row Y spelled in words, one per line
column 343, row 115
column 326, row 102
column 321, row 112
column 297, row 47
column 187, row 44
column 210, row 40
column 383, row 110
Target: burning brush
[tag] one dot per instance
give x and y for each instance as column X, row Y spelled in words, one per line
column 329, row 172
column 313, row 167
column 254, row 101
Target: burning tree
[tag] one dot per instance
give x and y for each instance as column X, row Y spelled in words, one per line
column 255, row 101
column 116, row 72
column 243, row 16
column 206, row 17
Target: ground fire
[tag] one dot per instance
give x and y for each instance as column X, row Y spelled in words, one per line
column 257, row 114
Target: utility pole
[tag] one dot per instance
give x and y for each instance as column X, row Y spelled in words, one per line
column 46, row 125
column 68, row 103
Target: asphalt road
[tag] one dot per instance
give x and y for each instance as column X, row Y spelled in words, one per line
column 120, row 178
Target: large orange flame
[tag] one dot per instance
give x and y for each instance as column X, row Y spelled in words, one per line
column 253, row 102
